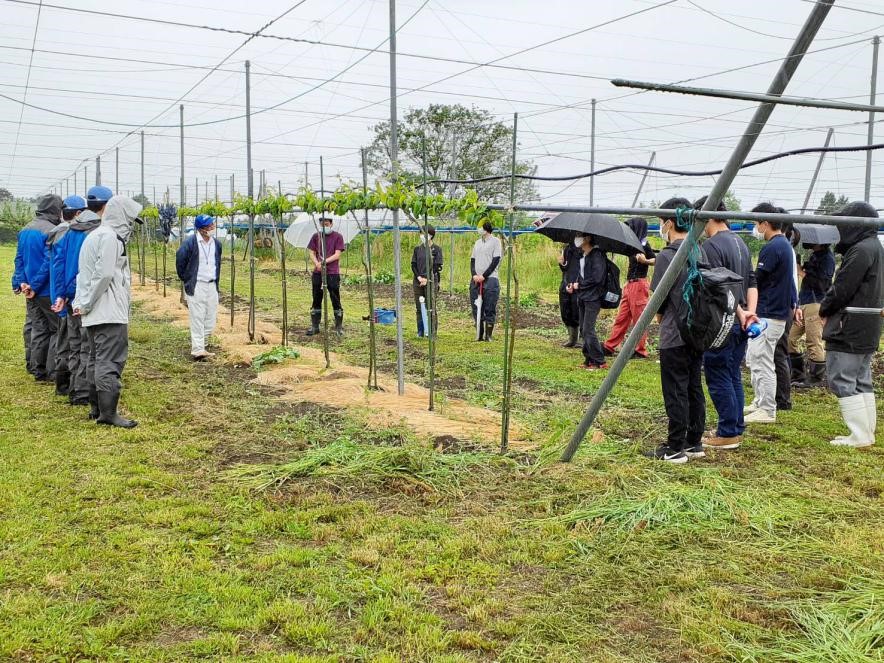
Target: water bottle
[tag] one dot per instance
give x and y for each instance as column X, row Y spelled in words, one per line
column 756, row 329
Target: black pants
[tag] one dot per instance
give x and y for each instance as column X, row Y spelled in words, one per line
column 334, row 290
column 78, row 356
column 108, row 351
column 421, row 291
column 490, row 295
column 44, row 326
column 784, row 370
column 592, row 348
column 680, row 370
column 26, row 335
column 569, row 307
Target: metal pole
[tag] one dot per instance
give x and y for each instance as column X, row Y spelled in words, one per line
column 372, row 332
column 641, row 184
column 876, row 41
column 323, row 246
column 232, row 255
column 117, row 169
column 750, row 135
column 749, row 96
column 592, row 156
column 816, row 172
column 98, row 170
column 453, row 188
column 251, row 194
column 430, row 289
column 509, row 332
column 144, row 234
column 397, row 236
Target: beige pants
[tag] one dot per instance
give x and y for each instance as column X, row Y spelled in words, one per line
column 812, row 328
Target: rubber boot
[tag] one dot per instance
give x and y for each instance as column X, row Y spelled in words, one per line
column 339, row 322
column 315, row 319
column 872, row 414
column 856, row 417
column 107, row 404
column 572, row 338
column 481, row 331
column 62, row 383
column 796, row 360
column 488, row 329
column 94, row 412
column 814, row 376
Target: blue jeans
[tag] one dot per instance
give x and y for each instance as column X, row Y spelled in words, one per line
column 725, row 383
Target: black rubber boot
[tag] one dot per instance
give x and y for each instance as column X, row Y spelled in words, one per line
column 315, row 319
column 572, row 338
column 488, row 330
column 797, row 362
column 107, row 404
column 94, row 412
column 339, row 322
column 62, row 383
column 815, row 376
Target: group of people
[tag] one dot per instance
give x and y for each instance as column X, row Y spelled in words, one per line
column 788, row 297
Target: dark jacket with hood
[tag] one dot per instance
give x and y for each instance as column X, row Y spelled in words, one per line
column 571, row 268
column 32, row 253
column 859, row 282
column 65, row 248
column 419, row 262
column 591, row 281
column 636, row 269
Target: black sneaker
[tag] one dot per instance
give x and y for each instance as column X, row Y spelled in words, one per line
column 695, row 451
column 667, row 454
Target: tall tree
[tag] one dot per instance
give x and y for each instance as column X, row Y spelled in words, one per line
column 829, row 204
column 5, row 195
column 461, row 142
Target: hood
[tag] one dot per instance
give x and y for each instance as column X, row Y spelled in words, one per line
column 54, row 236
column 86, row 221
column 640, row 227
column 119, row 215
column 854, row 234
column 49, row 208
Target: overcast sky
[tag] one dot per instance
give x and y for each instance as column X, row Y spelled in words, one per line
column 121, row 75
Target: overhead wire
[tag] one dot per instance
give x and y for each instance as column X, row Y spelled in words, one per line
column 27, row 83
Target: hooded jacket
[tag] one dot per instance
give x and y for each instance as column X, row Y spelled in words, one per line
column 103, row 279
column 65, row 255
column 859, row 282
column 32, row 252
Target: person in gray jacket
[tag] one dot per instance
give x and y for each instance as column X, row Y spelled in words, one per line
column 102, row 301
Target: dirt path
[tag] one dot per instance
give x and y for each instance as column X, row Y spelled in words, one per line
column 343, row 385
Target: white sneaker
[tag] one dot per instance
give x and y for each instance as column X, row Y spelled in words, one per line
column 856, row 416
column 749, row 409
column 201, row 355
column 760, row 417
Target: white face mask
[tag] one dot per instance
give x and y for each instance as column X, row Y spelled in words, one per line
column 664, row 235
column 326, row 230
column 756, row 233
column 578, row 242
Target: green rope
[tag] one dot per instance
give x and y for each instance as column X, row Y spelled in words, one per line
column 684, row 220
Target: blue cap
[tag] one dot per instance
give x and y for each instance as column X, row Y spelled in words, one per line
column 74, row 202
column 100, row 194
column 203, row 221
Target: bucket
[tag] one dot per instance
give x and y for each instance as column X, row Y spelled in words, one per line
column 385, row 316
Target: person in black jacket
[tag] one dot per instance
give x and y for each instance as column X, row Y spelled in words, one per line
column 198, row 263
column 569, row 304
column 852, row 338
column 590, row 289
column 816, row 278
column 421, row 279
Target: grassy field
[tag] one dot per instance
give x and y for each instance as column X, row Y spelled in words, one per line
column 232, row 526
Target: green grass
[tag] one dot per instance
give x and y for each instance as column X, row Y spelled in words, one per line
column 231, row 526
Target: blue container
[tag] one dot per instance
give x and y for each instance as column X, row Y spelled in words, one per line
column 756, row 329
column 385, row 316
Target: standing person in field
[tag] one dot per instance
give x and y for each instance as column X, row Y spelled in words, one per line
column 421, row 279
column 723, row 367
column 484, row 264
column 816, row 278
column 103, row 300
column 776, row 299
column 198, row 263
column 852, row 338
column 781, row 353
column 569, row 304
column 680, row 365
column 65, row 265
column 590, row 290
column 31, row 279
column 635, row 293
column 326, row 248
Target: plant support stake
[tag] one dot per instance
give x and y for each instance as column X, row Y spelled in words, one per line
column 397, row 236
column 509, row 332
column 366, row 261
column 430, row 288
column 251, row 193
column 876, row 41
column 743, row 148
column 320, row 239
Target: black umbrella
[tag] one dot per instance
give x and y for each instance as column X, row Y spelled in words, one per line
column 609, row 233
column 811, row 234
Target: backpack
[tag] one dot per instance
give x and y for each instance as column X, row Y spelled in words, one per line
column 708, row 308
column 612, row 292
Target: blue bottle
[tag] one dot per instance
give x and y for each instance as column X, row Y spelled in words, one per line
column 756, row 329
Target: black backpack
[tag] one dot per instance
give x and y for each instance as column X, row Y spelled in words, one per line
column 708, row 308
column 612, row 293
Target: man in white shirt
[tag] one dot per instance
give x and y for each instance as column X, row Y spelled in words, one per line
column 484, row 264
column 198, row 263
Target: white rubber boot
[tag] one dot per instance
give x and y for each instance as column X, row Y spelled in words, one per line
column 854, row 413
column 872, row 414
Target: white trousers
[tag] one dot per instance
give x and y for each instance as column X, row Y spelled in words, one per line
column 203, row 308
column 760, row 358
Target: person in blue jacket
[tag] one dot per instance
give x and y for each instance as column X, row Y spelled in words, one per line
column 31, row 279
column 198, row 263
column 72, row 350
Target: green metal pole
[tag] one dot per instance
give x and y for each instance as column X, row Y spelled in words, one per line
column 509, row 336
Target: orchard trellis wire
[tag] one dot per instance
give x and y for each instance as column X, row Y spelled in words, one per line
column 422, row 207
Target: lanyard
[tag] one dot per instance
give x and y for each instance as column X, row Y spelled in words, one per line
column 207, row 252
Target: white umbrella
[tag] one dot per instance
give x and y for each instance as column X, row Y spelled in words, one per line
column 300, row 230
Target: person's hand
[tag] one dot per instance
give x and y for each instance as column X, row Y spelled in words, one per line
column 58, row 305
column 799, row 316
column 641, row 259
column 748, row 318
column 76, row 311
column 561, row 258
column 569, row 289
column 31, row 293
column 25, row 290
column 421, row 280
column 823, row 320
column 575, row 286
column 478, row 278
